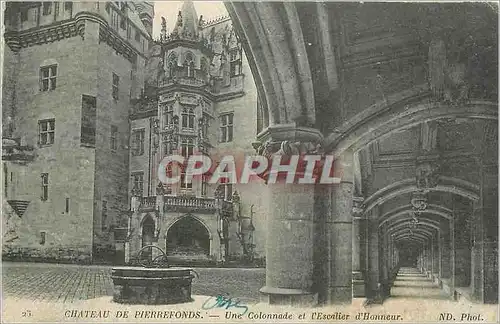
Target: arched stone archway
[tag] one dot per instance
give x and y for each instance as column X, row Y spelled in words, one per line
column 188, row 237
column 148, row 234
column 310, row 95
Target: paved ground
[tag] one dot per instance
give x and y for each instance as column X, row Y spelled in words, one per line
column 411, row 284
column 34, row 292
column 69, row 283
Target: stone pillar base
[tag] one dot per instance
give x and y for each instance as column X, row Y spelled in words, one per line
column 358, row 285
column 288, row 297
column 339, row 295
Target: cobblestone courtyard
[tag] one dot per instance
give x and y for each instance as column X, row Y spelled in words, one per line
column 69, row 283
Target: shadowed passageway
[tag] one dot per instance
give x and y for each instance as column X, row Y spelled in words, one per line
column 411, row 283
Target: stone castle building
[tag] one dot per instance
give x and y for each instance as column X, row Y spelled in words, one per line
column 91, row 104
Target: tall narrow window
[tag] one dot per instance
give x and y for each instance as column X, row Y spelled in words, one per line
column 204, row 186
column 138, row 183
column 129, row 31
column 46, row 132
column 172, row 65
column 189, row 65
column 137, row 35
column 116, row 85
column 48, row 77
column 138, row 142
column 56, row 9
column 42, row 237
column 226, row 128
column 114, row 138
column 188, row 118
column 169, row 115
column 45, row 186
column 228, row 192
column 67, row 205
column 5, row 179
column 235, row 62
column 24, row 15
column 46, row 8
column 104, row 218
column 187, row 147
column 88, row 122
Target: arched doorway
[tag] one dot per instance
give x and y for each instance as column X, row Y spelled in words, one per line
column 188, row 237
column 148, row 229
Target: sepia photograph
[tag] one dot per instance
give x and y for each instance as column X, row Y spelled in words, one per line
column 249, row 162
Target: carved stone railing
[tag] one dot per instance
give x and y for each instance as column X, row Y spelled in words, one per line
column 189, row 204
column 186, row 204
column 183, row 81
column 148, row 203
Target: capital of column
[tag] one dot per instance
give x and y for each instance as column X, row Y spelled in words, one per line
column 357, row 207
column 286, row 141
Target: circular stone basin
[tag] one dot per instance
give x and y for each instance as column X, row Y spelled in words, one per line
column 136, row 285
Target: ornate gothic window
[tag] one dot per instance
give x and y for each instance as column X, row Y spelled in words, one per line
column 169, row 115
column 172, row 65
column 189, row 65
column 187, row 146
column 204, row 67
column 188, row 118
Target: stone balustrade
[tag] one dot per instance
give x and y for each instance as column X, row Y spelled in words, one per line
column 186, row 204
column 148, row 203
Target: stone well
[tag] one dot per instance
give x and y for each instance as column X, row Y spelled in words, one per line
column 154, row 283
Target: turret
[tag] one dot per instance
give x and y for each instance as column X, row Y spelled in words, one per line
column 187, row 22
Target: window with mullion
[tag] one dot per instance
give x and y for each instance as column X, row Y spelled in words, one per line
column 138, row 142
column 46, row 131
column 226, row 128
column 48, row 77
column 46, row 8
column 187, row 147
column 138, row 182
column 188, row 118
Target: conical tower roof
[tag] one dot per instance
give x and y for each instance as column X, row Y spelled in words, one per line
column 187, row 21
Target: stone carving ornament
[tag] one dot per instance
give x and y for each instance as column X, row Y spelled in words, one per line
column 287, row 148
column 427, row 175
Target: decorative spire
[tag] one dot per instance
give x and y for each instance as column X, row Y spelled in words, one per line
column 163, row 34
column 187, row 22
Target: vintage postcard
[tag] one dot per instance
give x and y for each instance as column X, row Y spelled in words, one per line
column 249, row 162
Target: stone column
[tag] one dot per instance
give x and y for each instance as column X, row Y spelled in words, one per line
column 290, row 228
column 446, row 249
column 484, row 259
column 339, row 231
column 289, row 245
column 384, row 275
column 462, row 250
column 373, row 259
column 435, row 255
column 358, row 282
